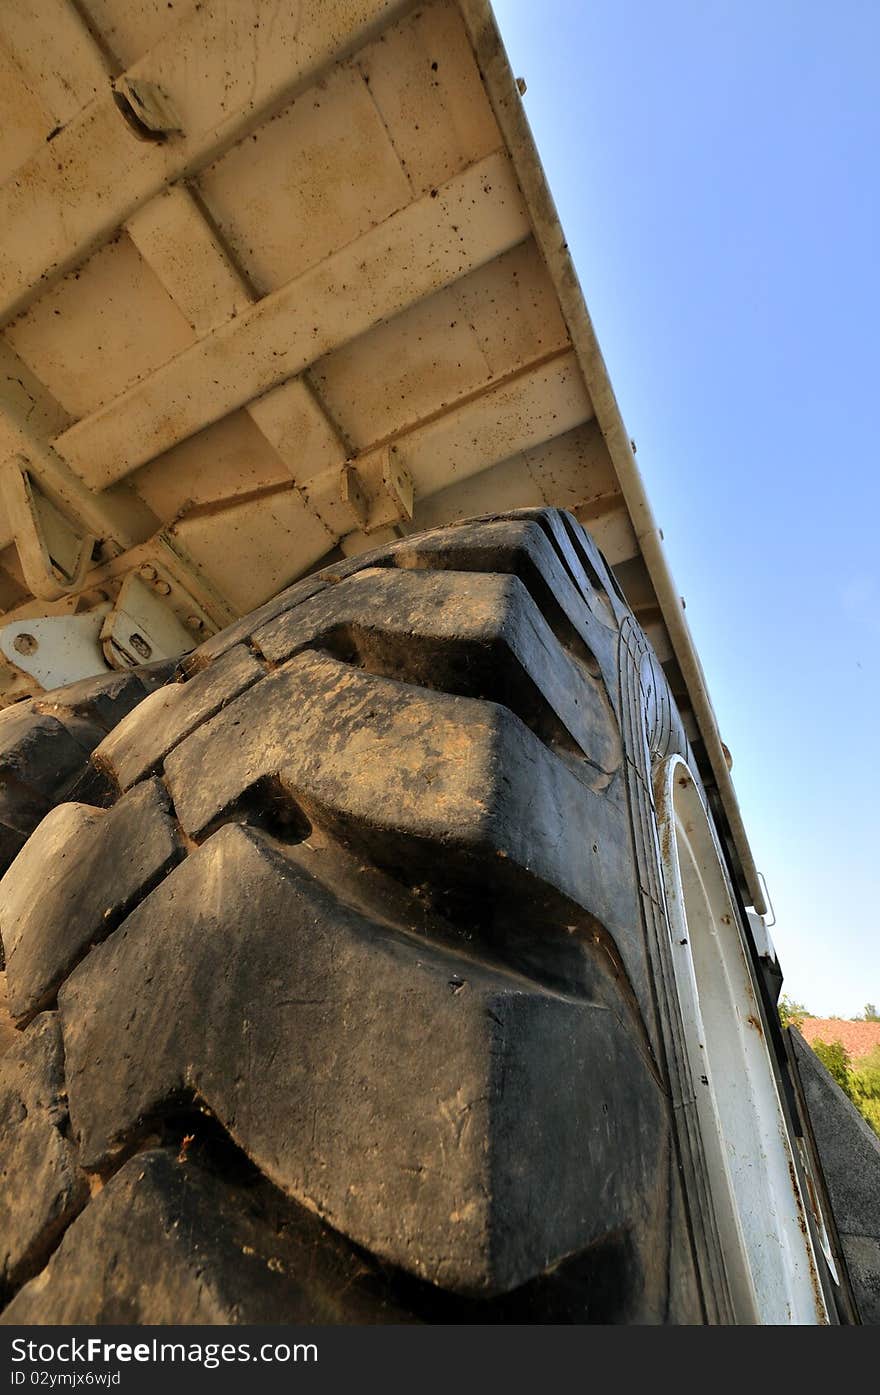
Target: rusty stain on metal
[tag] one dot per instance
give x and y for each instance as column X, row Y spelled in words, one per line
column 808, row 1247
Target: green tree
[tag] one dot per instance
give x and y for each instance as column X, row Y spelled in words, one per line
column 870, row 1013
column 866, row 1088
column 835, row 1058
column 791, row 1014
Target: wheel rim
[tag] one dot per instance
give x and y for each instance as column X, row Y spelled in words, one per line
column 759, row 1209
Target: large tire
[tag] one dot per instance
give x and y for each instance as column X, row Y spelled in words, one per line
column 352, row 1004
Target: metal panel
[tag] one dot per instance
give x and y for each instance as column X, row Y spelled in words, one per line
column 255, row 547
column 187, row 256
column 221, row 69
column 454, row 345
column 311, row 180
column 410, row 255
column 100, row 330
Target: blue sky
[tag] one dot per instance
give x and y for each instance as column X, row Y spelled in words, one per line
column 715, row 166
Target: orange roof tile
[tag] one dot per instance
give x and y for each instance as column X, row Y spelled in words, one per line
column 859, row 1038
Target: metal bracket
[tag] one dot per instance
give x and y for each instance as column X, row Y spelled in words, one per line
column 154, row 616
column 54, row 556
column 173, row 575
column 142, row 627
column 55, row 649
column 761, row 878
column 378, row 489
column 146, row 109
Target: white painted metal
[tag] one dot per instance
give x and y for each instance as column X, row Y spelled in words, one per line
column 763, row 942
column 223, row 69
column 141, row 628
column 56, row 649
column 410, row 255
column 753, row 1180
column 54, row 556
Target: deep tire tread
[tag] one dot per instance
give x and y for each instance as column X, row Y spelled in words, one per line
column 545, row 592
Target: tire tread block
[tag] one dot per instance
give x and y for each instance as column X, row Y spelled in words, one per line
column 42, row 1187
column 21, row 808
column 45, row 744
column 466, row 537
column 398, row 1089
column 138, row 745
column 107, row 698
column 40, row 756
column 166, row 1242
column 522, row 547
column 454, row 791
column 79, row 873
column 459, row 632
column 39, row 750
column 455, row 787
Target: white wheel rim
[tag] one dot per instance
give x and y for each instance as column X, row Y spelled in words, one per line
column 768, row 1253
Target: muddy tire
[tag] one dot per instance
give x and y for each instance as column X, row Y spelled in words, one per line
column 353, row 1003
column 45, row 744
